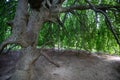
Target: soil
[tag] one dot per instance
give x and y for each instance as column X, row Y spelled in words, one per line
column 74, row 65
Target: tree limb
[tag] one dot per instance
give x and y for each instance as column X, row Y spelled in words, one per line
column 84, row 7
column 109, row 25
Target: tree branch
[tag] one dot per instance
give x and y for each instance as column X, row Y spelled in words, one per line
column 84, row 7
column 109, row 25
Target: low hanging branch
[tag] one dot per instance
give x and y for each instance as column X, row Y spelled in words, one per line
column 109, row 25
column 85, row 7
column 96, row 8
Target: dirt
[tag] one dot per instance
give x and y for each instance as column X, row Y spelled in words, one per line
column 74, row 65
column 78, row 65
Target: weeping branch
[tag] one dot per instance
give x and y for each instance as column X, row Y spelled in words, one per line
column 84, row 7
column 109, row 25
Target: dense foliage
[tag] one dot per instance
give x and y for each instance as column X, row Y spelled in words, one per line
column 83, row 29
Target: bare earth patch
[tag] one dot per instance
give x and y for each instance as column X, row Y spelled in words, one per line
column 74, row 65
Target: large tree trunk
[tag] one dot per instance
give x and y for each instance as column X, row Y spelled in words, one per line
column 24, row 65
column 25, row 28
column 27, row 35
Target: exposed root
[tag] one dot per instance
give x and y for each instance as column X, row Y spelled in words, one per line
column 49, row 59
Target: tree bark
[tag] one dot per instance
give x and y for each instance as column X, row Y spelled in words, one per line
column 25, row 33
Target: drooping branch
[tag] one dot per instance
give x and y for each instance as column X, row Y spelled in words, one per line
column 84, row 7
column 109, row 25
column 96, row 8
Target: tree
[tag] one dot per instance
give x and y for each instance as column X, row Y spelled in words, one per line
column 28, row 21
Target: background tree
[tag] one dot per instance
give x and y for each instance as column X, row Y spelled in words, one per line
column 71, row 24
